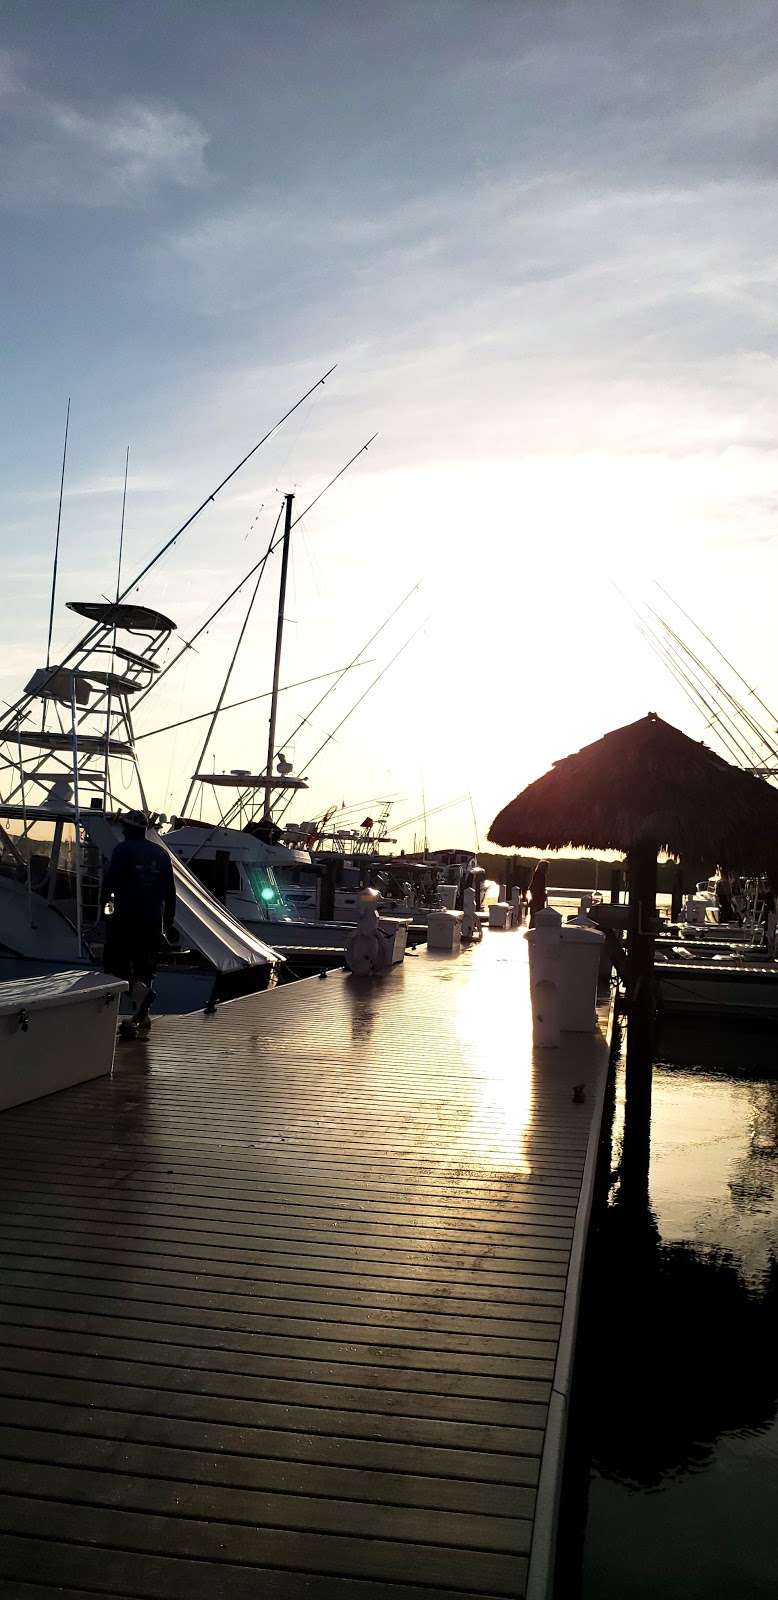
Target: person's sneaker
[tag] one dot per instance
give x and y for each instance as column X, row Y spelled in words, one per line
column 143, row 1028
column 128, row 1030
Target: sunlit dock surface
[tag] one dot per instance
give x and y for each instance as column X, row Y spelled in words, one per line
column 283, row 1302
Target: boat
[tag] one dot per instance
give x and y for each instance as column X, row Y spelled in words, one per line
column 298, row 885
column 273, row 889
column 60, row 822
column 727, row 984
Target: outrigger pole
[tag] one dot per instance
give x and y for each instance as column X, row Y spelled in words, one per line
column 230, row 475
column 56, row 541
column 262, row 562
column 103, row 629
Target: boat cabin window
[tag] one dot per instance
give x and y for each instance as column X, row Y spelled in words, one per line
column 209, row 874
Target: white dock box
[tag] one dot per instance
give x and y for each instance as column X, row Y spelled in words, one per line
column 500, row 914
column 55, row 1031
column 581, row 948
column 444, row 930
column 395, row 931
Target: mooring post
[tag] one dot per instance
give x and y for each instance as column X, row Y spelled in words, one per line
column 616, row 880
column 642, row 878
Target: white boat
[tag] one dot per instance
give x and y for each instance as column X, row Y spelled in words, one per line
column 274, row 890
column 727, row 984
column 59, row 827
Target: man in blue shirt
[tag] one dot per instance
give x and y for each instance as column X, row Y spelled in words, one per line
column 140, row 881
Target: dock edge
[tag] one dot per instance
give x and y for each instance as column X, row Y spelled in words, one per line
column 541, row 1575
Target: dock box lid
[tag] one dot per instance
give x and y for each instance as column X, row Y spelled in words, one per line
column 56, row 989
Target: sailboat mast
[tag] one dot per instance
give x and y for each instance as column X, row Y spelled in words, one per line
column 279, row 640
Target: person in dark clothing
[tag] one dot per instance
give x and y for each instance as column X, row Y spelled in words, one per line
column 140, row 881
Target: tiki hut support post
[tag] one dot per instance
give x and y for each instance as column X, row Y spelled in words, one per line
column 641, row 867
column 615, row 885
column 677, row 893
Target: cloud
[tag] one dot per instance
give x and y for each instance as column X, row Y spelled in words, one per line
column 57, row 154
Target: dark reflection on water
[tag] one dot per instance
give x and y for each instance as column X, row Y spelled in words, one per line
column 677, row 1386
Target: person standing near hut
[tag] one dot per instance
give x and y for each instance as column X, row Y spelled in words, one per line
column 724, row 897
column 537, row 890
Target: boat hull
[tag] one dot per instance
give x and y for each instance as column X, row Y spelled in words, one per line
column 697, row 987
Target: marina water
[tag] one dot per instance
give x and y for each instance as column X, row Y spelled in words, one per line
column 678, row 1371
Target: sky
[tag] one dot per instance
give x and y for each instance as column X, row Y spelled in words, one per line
column 539, row 240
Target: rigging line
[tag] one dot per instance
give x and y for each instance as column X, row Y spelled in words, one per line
column 244, row 580
column 354, row 662
column 697, row 697
column 725, row 659
column 228, row 675
column 475, row 826
column 432, row 811
column 358, row 703
column 710, row 676
column 355, row 659
column 744, row 715
column 230, row 475
column 56, row 541
column 251, row 700
column 716, row 717
column 706, row 687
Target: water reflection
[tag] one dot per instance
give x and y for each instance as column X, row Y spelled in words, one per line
column 681, row 1331
column 496, row 1039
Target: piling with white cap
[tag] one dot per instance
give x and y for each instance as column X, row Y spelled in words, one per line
column 545, row 963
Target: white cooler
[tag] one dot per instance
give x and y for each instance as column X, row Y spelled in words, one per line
column 500, row 914
column 55, row 1031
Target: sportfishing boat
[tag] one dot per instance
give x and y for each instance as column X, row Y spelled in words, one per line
column 299, row 885
column 67, row 748
column 273, row 889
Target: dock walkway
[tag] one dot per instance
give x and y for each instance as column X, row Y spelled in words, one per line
column 283, row 1302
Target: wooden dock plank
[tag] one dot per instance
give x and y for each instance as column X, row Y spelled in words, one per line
column 282, row 1301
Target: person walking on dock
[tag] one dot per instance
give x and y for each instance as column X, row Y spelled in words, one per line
column 140, row 881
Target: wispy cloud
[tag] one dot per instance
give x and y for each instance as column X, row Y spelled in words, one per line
column 57, row 153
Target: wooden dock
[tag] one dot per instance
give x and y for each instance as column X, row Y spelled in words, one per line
column 288, row 1305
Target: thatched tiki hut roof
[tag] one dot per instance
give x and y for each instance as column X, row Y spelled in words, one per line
column 647, row 784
